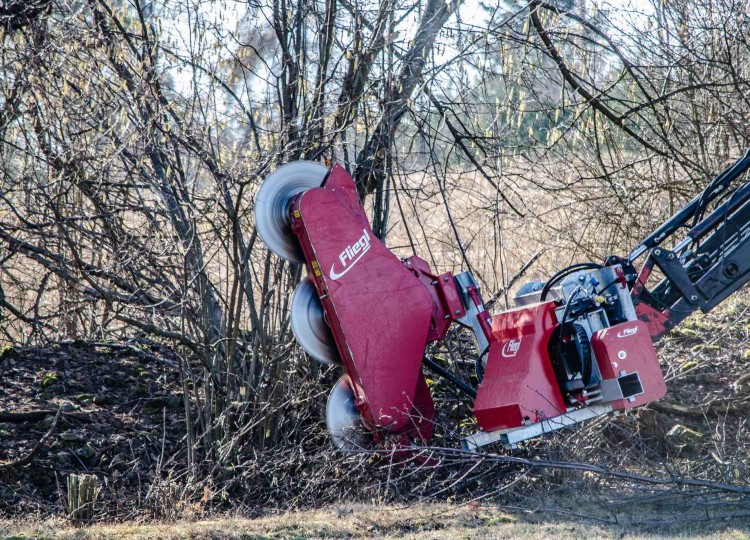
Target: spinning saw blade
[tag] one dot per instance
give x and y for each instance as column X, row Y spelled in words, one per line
column 272, row 205
column 309, row 326
column 344, row 421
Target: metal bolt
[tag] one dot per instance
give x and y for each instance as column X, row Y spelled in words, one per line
column 657, row 252
column 693, row 297
column 445, row 279
column 458, row 312
column 446, row 317
column 435, row 282
column 670, row 256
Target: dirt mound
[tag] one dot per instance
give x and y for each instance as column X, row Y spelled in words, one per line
column 121, row 418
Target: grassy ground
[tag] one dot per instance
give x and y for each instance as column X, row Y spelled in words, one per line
column 424, row 522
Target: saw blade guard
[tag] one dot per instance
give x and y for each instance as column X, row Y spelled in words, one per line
column 309, row 326
column 378, row 310
column 272, row 205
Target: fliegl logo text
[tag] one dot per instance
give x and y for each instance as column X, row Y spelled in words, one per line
column 510, row 349
column 351, row 255
column 625, row 332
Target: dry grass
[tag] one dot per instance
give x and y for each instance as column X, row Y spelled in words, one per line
column 434, row 521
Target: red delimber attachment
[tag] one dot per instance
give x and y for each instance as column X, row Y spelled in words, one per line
column 382, row 311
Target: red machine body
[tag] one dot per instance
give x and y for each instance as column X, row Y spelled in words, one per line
column 627, row 349
column 519, row 383
column 585, row 351
column 520, row 386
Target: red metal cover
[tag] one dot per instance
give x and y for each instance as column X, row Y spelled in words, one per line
column 627, row 347
column 378, row 310
column 519, row 383
column 446, row 302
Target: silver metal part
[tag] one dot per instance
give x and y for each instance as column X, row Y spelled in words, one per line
column 626, row 386
column 608, row 285
column 344, row 423
column 511, row 437
column 464, row 280
column 592, row 321
column 682, row 245
column 531, row 293
column 637, row 252
column 309, row 326
column 272, row 205
column 592, row 395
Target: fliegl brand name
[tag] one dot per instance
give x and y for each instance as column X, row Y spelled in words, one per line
column 625, row 332
column 510, row 349
column 351, row 255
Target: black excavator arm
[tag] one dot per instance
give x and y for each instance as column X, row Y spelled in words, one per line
column 708, row 263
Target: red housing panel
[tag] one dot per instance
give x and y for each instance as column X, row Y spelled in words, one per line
column 446, row 302
column 628, row 347
column 519, row 382
column 378, row 310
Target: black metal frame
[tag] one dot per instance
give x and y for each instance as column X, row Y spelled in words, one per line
column 713, row 261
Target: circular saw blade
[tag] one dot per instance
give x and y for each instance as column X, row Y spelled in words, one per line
column 272, row 205
column 344, row 421
column 309, row 326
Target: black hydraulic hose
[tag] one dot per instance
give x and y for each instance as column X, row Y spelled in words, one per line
column 564, row 272
column 440, row 370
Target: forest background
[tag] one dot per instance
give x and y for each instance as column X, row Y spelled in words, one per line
column 483, row 136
